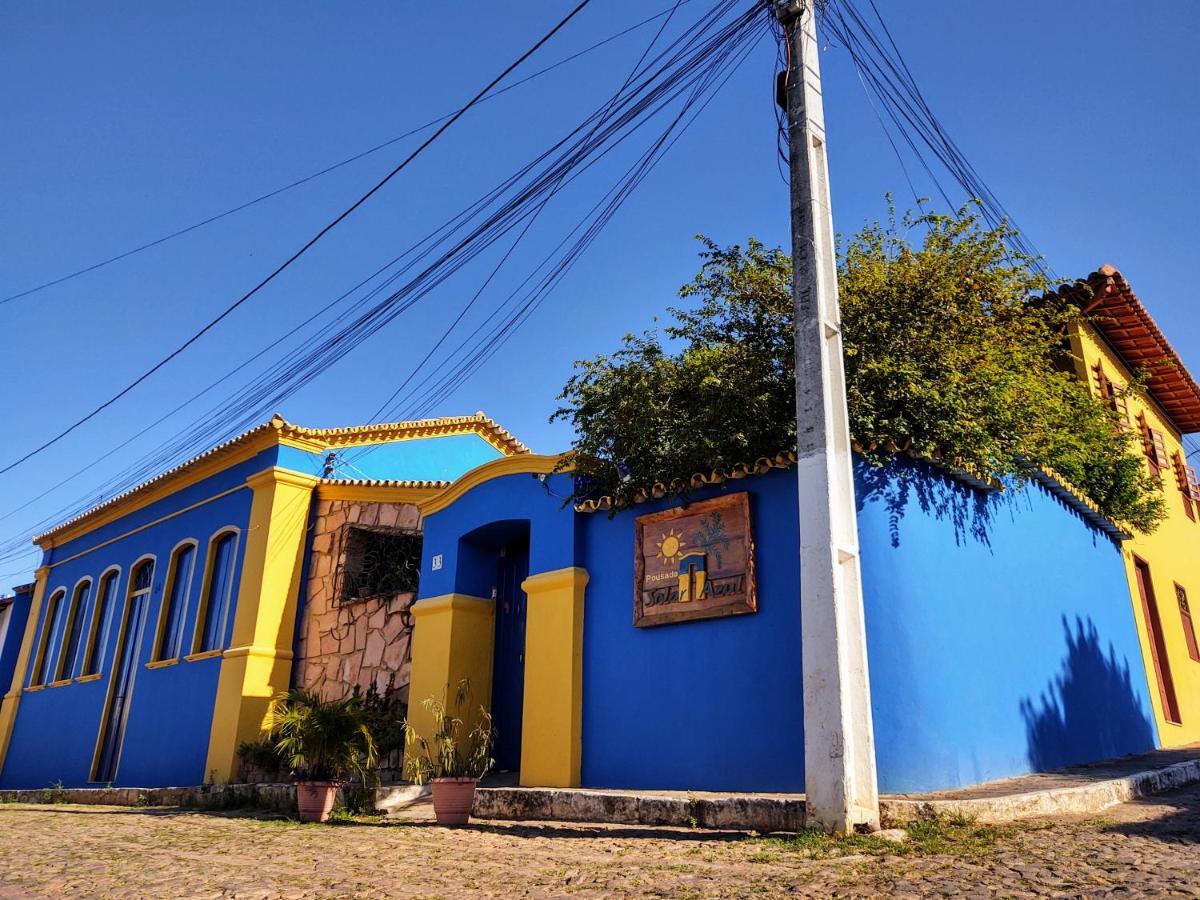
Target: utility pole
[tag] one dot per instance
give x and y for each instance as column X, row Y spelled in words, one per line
column 839, row 744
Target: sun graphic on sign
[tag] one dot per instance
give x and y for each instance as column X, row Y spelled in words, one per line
column 671, row 546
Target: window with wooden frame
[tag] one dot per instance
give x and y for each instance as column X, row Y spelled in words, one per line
column 93, row 654
column 1183, row 481
column 73, row 631
column 1189, row 627
column 378, row 563
column 216, row 592
column 1154, row 445
column 1114, row 395
column 174, row 603
column 44, row 647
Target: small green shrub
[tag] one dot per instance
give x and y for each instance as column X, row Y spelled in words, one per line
column 441, row 756
column 321, row 740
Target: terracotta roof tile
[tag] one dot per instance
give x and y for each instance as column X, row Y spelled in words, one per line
column 1133, row 333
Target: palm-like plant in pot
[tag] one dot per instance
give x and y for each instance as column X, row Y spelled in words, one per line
column 325, row 743
column 450, row 761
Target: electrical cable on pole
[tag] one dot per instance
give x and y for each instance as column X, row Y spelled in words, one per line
column 295, row 256
column 840, row 782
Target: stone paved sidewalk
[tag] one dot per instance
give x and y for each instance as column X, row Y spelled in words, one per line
column 1143, row 848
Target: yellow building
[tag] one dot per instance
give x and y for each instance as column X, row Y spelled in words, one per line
column 1163, row 568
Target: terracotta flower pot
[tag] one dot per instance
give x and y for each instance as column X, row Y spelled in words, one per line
column 452, row 799
column 315, row 800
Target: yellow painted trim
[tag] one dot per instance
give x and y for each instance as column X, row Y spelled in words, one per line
column 256, row 652
column 168, row 589
column 127, row 607
column 277, row 432
column 206, row 582
column 552, row 717
column 163, row 663
column 381, row 493
column 453, row 639
column 34, row 688
column 76, row 608
column 526, row 463
column 139, row 499
column 207, row 654
column 12, row 699
column 84, row 679
column 59, row 683
column 140, row 528
column 258, row 666
column 57, row 596
column 94, row 634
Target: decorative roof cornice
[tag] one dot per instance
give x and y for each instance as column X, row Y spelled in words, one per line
column 1119, row 315
column 1050, row 480
column 280, row 431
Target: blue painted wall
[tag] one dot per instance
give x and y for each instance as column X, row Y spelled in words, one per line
column 10, row 643
column 442, row 458
column 708, row 705
column 520, row 502
column 1000, row 633
column 170, row 716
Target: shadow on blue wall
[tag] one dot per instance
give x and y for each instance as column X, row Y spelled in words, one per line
column 903, row 480
column 1090, row 711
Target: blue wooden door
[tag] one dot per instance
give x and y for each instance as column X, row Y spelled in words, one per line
column 112, row 728
column 508, row 671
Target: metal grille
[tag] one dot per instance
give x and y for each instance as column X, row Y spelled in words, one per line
column 379, row 563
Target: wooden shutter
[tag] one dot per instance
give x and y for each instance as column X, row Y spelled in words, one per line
column 1193, row 483
column 1189, row 629
column 1158, row 446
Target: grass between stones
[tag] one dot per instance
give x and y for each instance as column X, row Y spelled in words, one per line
column 957, row 836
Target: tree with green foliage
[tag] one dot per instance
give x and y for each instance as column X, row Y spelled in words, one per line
column 954, row 350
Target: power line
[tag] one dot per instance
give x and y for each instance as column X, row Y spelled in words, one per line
column 320, row 234
column 334, row 166
column 689, row 65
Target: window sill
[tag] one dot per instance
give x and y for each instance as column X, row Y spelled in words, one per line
column 207, row 654
column 84, row 679
column 35, row 687
column 59, row 683
column 162, row 663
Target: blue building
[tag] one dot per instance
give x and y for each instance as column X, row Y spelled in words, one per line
column 163, row 622
column 656, row 646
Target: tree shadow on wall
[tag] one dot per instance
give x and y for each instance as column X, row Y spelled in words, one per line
column 1088, row 712
column 902, row 481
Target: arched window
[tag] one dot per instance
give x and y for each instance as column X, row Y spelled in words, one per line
column 105, row 595
column 73, row 630
column 218, row 588
column 174, row 602
column 49, row 627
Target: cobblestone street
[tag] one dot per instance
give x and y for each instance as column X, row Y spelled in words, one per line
column 1144, row 848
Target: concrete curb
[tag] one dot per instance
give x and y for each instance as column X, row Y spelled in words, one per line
column 1084, row 798
column 733, row 812
column 280, row 797
column 766, row 813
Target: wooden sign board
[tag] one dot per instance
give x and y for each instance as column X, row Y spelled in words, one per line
column 694, row 562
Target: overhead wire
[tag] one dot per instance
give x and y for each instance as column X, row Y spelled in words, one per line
column 680, row 68
column 334, row 166
column 445, row 126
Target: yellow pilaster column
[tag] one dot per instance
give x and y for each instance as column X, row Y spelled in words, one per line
column 552, row 719
column 258, row 664
column 12, row 699
column 452, row 639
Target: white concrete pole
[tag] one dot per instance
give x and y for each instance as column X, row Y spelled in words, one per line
column 839, row 744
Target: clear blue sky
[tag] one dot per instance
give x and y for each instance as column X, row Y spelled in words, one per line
column 125, row 120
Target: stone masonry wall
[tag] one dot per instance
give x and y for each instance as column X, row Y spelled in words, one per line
column 347, row 644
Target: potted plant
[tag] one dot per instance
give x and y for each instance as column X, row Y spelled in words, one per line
column 325, row 743
column 449, row 762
